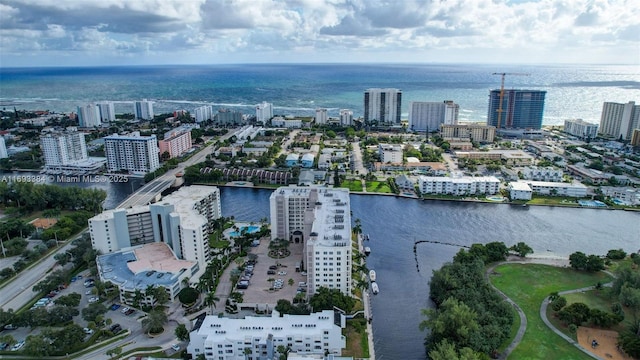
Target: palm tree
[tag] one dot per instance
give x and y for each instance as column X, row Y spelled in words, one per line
column 154, row 322
column 210, row 301
column 247, row 351
column 362, row 284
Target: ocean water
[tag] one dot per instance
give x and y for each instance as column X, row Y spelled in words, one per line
column 575, row 91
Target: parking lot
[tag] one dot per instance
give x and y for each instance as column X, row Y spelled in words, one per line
column 260, row 290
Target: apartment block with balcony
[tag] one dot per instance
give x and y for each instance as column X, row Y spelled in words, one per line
column 133, row 153
column 182, row 221
column 581, row 129
column 542, row 174
column 471, row 132
column 228, row 339
column 390, row 153
column 466, row 185
column 320, row 219
column 176, row 142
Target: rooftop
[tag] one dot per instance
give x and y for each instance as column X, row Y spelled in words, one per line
column 141, row 266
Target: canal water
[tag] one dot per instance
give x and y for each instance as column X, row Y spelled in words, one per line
column 395, row 224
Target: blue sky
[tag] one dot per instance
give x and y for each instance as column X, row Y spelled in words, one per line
column 126, row 32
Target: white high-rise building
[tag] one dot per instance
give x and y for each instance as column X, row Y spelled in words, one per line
column 320, row 219
column 106, row 111
column 321, row 116
column 89, row 116
column 203, row 113
column 383, row 105
column 581, row 128
column 3, row 149
column 63, row 148
column 134, row 153
column 429, row 116
column 182, row 222
column 229, row 338
column 143, row 110
column 346, row 117
column 619, row 120
column 264, row 112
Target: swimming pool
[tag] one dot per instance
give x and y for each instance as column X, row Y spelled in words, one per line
column 249, row 229
column 591, row 203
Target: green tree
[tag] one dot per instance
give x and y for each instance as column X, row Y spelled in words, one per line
column 453, row 320
column 210, row 301
column 37, row 345
column 578, row 260
column 522, row 249
column 444, row 350
column 181, row 332
column 154, row 322
column 92, row 311
column 326, row 299
column 72, row 299
column 188, row 295
column 576, row 313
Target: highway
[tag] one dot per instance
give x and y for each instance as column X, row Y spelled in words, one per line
column 18, row 291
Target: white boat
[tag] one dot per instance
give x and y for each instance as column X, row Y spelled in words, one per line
column 367, row 250
column 372, row 275
column 374, row 288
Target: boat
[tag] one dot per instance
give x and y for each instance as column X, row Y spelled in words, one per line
column 374, row 288
column 367, row 250
column 372, row 275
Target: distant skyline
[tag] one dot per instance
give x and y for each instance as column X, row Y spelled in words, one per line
column 159, row 32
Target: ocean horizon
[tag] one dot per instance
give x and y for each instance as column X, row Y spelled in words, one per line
column 573, row 91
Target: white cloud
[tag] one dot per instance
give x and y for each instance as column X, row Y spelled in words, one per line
column 481, row 30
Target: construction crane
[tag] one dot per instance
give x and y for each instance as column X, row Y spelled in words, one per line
column 500, row 110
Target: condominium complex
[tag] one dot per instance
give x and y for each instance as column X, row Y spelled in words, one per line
column 320, row 219
column 264, row 112
column 143, row 110
column 521, row 109
column 635, row 137
column 89, row 116
column 471, row 132
column 619, row 120
column 258, row 337
column 382, row 105
column 581, row 129
column 428, row 116
column 133, row 153
column 203, row 113
column 321, row 116
column 182, row 221
column 63, row 148
column 466, row 185
column 176, row 142
column 390, row 153
column 346, row 117
column 228, row 117
column 542, row 174
column 522, row 190
column 106, row 111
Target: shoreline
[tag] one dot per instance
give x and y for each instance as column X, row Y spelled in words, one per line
column 249, row 185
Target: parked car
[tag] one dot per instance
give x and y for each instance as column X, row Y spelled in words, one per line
column 94, row 300
column 124, row 310
column 175, row 347
column 129, row 312
column 115, row 328
column 3, row 346
column 10, row 327
column 18, row 346
column 282, row 273
column 87, row 331
column 271, row 272
column 273, row 267
column 115, row 307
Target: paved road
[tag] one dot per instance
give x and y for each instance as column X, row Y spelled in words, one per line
column 18, row 291
column 357, row 158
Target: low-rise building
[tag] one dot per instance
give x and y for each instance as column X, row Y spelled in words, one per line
column 228, row 339
column 574, row 189
column 279, row 121
column 542, row 174
column 465, row 185
column 390, row 153
column 307, row 160
column 292, row 160
column 519, row 190
column 510, row 157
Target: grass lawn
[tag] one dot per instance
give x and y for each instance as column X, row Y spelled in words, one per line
column 352, row 185
column 357, row 343
column 600, row 299
column 378, row 186
column 552, row 200
column 528, row 285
